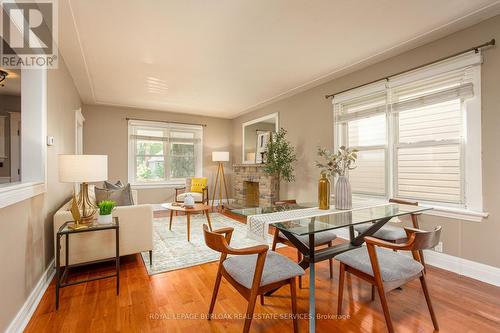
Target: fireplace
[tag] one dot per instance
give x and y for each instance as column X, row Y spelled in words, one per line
column 251, row 190
column 252, row 186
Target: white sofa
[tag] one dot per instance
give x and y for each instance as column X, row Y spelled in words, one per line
column 136, row 233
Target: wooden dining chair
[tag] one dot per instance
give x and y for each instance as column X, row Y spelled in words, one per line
column 320, row 239
column 252, row 271
column 392, row 233
column 387, row 270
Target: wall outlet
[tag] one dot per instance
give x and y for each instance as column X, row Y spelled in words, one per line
column 439, row 247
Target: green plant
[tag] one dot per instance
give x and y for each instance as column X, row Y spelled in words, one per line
column 337, row 163
column 280, row 156
column 106, row 207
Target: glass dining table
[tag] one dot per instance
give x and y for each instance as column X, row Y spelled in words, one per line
column 377, row 215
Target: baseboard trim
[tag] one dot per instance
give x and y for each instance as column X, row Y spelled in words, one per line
column 23, row 316
column 460, row 266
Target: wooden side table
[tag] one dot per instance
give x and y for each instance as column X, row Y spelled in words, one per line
column 197, row 208
column 61, row 275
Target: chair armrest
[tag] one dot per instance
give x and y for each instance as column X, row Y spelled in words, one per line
column 228, row 232
column 257, row 249
column 378, row 242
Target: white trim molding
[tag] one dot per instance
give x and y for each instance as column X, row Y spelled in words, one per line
column 464, row 267
column 23, row 316
column 14, row 193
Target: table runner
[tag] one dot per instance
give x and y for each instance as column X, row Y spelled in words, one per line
column 258, row 225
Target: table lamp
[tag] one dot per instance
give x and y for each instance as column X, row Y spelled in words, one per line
column 83, row 169
column 220, row 157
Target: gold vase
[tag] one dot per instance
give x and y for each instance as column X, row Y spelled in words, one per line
column 324, row 192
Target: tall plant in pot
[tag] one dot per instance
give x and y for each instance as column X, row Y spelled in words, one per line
column 280, row 156
column 338, row 164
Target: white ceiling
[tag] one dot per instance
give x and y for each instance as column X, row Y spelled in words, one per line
column 227, row 57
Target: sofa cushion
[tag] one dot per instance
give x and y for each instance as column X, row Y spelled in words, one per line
column 198, row 184
column 111, row 186
column 121, row 196
column 394, row 266
column 276, row 268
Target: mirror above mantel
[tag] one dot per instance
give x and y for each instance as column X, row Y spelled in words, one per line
column 255, row 135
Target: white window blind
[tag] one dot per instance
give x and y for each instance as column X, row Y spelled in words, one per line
column 411, row 131
column 162, row 153
column 361, row 123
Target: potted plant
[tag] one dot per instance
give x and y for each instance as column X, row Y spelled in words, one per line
column 280, row 156
column 338, row 164
column 105, row 209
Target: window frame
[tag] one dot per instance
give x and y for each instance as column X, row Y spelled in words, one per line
column 166, row 127
column 471, row 162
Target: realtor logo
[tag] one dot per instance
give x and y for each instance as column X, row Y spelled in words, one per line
column 29, row 32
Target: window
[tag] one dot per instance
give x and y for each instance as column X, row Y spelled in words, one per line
column 418, row 134
column 164, row 153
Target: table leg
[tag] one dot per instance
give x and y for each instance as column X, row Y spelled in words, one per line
column 312, row 287
column 188, row 224
column 208, row 219
column 171, row 217
column 58, row 268
column 117, row 263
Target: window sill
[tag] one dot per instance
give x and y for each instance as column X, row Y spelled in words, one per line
column 142, row 186
column 456, row 213
column 448, row 212
column 13, row 193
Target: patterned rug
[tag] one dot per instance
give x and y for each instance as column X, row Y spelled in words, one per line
column 172, row 251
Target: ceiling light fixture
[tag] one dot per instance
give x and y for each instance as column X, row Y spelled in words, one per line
column 3, row 76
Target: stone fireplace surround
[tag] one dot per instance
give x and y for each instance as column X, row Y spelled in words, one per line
column 253, row 173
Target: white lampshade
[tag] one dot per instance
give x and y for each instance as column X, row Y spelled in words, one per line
column 220, row 156
column 83, row 168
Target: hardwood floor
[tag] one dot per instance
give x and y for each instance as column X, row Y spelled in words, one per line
column 177, row 300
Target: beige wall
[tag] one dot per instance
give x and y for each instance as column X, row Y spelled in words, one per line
column 105, row 132
column 26, row 233
column 309, row 120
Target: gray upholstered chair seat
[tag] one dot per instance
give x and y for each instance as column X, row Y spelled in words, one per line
column 276, row 268
column 387, row 232
column 394, row 266
column 320, row 238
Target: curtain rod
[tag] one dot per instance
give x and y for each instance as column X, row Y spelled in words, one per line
column 166, row 121
column 475, row 48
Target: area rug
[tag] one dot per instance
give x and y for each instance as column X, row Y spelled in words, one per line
column 172, row 251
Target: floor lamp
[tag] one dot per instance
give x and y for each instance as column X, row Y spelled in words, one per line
column 220, row 157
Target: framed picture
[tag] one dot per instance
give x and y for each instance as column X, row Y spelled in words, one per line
column 263, row 138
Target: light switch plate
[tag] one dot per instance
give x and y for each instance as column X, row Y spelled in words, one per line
column 50, row 141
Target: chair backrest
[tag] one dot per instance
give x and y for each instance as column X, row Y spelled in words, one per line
column 422, row 240
column 403, row 202
column 216, row 241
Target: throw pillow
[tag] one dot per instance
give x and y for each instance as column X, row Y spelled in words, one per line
column 198, row 184
column 111, row 186
column 121, row 196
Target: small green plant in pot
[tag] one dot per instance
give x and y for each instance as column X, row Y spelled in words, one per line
column 105, row 209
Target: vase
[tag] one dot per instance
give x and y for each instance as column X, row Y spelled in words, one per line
column 324, row 192
column 343, row 195
column 188, row 201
